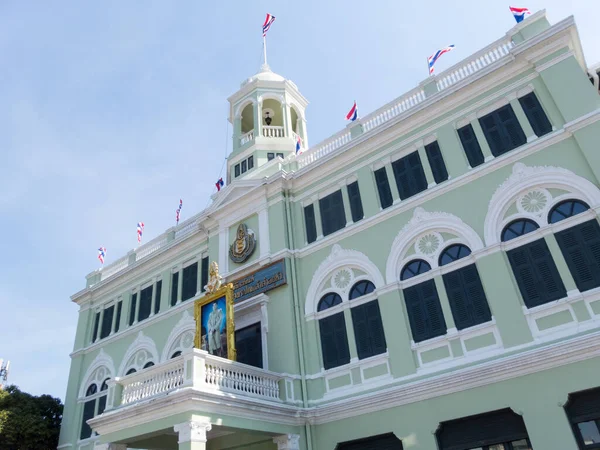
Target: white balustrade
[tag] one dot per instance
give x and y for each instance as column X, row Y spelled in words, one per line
column 473, row 64
column 324, row 148
column 272, row 131
column 152, row 381
column 150, row 247
column 247, row 137
column 186, row 228
column 202, row 372
column 393, row 109
column 115, row 267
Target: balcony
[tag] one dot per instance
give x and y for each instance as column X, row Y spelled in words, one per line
column 267, row 132
column 203, row 373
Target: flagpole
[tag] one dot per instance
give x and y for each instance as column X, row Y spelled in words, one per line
column 265, row 48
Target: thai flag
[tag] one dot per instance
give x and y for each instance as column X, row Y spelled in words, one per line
column 353, row 113
column 519, row 13
column 298, row 144
column 140, row 230
column 433, row 58
column 219, row 184
column 101, row 254
column 268, row 22
column 178, row 210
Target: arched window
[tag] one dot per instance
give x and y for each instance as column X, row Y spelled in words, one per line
column 148, row 364
column 454, row 253
column 334, row 338
column 94, row 405
column 580, row 244
column 414, row 268
column 329, row 301
column 518, row 228
column 361, row 288
column 566, row 209
column 130, row 371
column 366, row 321
column 176, row 354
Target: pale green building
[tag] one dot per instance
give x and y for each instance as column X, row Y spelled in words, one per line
column 428, row 278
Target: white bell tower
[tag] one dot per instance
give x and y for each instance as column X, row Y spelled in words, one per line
column 268, row 117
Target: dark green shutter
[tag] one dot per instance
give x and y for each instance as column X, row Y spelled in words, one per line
column 513, row 132
column 424, row 311
column 355, row 202
column 383, row 188
column 436, row 161
column 535, row 114
column 368, row 330
column 311, row 224
column 492, row 134
column 402, row 175
column 470, row 144
column 96, row 324
column 107, row 322
column 132, row 308
column 158, row 295
column 174, row 286
column 417, row 174
column 334, row 341
column 118, row 318
column 409, row 174
column 145, row 304
column 580, row 245
column 467, row 298
column 248, row 345
column 536, row 274
column 190, row 281
column 101, row 404
column 204, row 274
column 88, row 413
column 382, row 442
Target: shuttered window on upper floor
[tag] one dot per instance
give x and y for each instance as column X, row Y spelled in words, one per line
column 189, row 281
column 132, row 306
column 366, row 321
column 96, row 325
column 580, row 245
column 383, row 188
column 467, row 297
column 118, row 318
column 356, row 207
column 502, row 130
column 410, row 176
column 436, row 162
column 424, row 311
column 471, row 146
column 334, row 341
column 311, row 223
column 204, row 274
column 174, row 287
column 333, row 217
column 536, row 273
column 158, row 296
column 145, row 303
column 107, row 320
column 535, row 114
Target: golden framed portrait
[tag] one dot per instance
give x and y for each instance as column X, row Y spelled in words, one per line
column 215, row 327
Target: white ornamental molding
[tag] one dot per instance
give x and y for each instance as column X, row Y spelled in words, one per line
column 241, row 106
column 339, row 264
column 423, row 231
column 192, row 431
column 287, row 442
column 142, row 344
column 102, row 367
column 528, row 187
column 179, row 337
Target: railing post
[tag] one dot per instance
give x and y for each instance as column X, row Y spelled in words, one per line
column 429, row 86
column 115, row 391
column 170, row 234
column 131, row 257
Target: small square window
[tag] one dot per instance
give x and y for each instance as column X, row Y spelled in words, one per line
column 244, row 167
column 237, row 170
column 270, row 156
column 280, row 155
column 250, row 162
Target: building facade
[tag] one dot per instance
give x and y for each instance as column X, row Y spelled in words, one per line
column 427, row 278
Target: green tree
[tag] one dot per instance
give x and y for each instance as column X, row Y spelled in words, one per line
column 29, row 422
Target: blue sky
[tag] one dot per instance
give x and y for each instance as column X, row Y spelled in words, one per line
column 112, row 111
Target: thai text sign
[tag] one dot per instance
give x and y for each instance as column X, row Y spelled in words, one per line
column 262, row 280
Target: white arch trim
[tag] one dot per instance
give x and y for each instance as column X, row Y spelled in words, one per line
column 186, row 323
column 101, row 360
column 142, row 342
column 240, row 108
column 337, row 259
column 527, row 177
column 421, row 222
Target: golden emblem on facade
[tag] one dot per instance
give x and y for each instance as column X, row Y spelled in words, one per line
column 243, row 246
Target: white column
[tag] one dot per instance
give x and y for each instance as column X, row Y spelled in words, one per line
column 263, row 232
column 193, row 434
column 287, row 442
